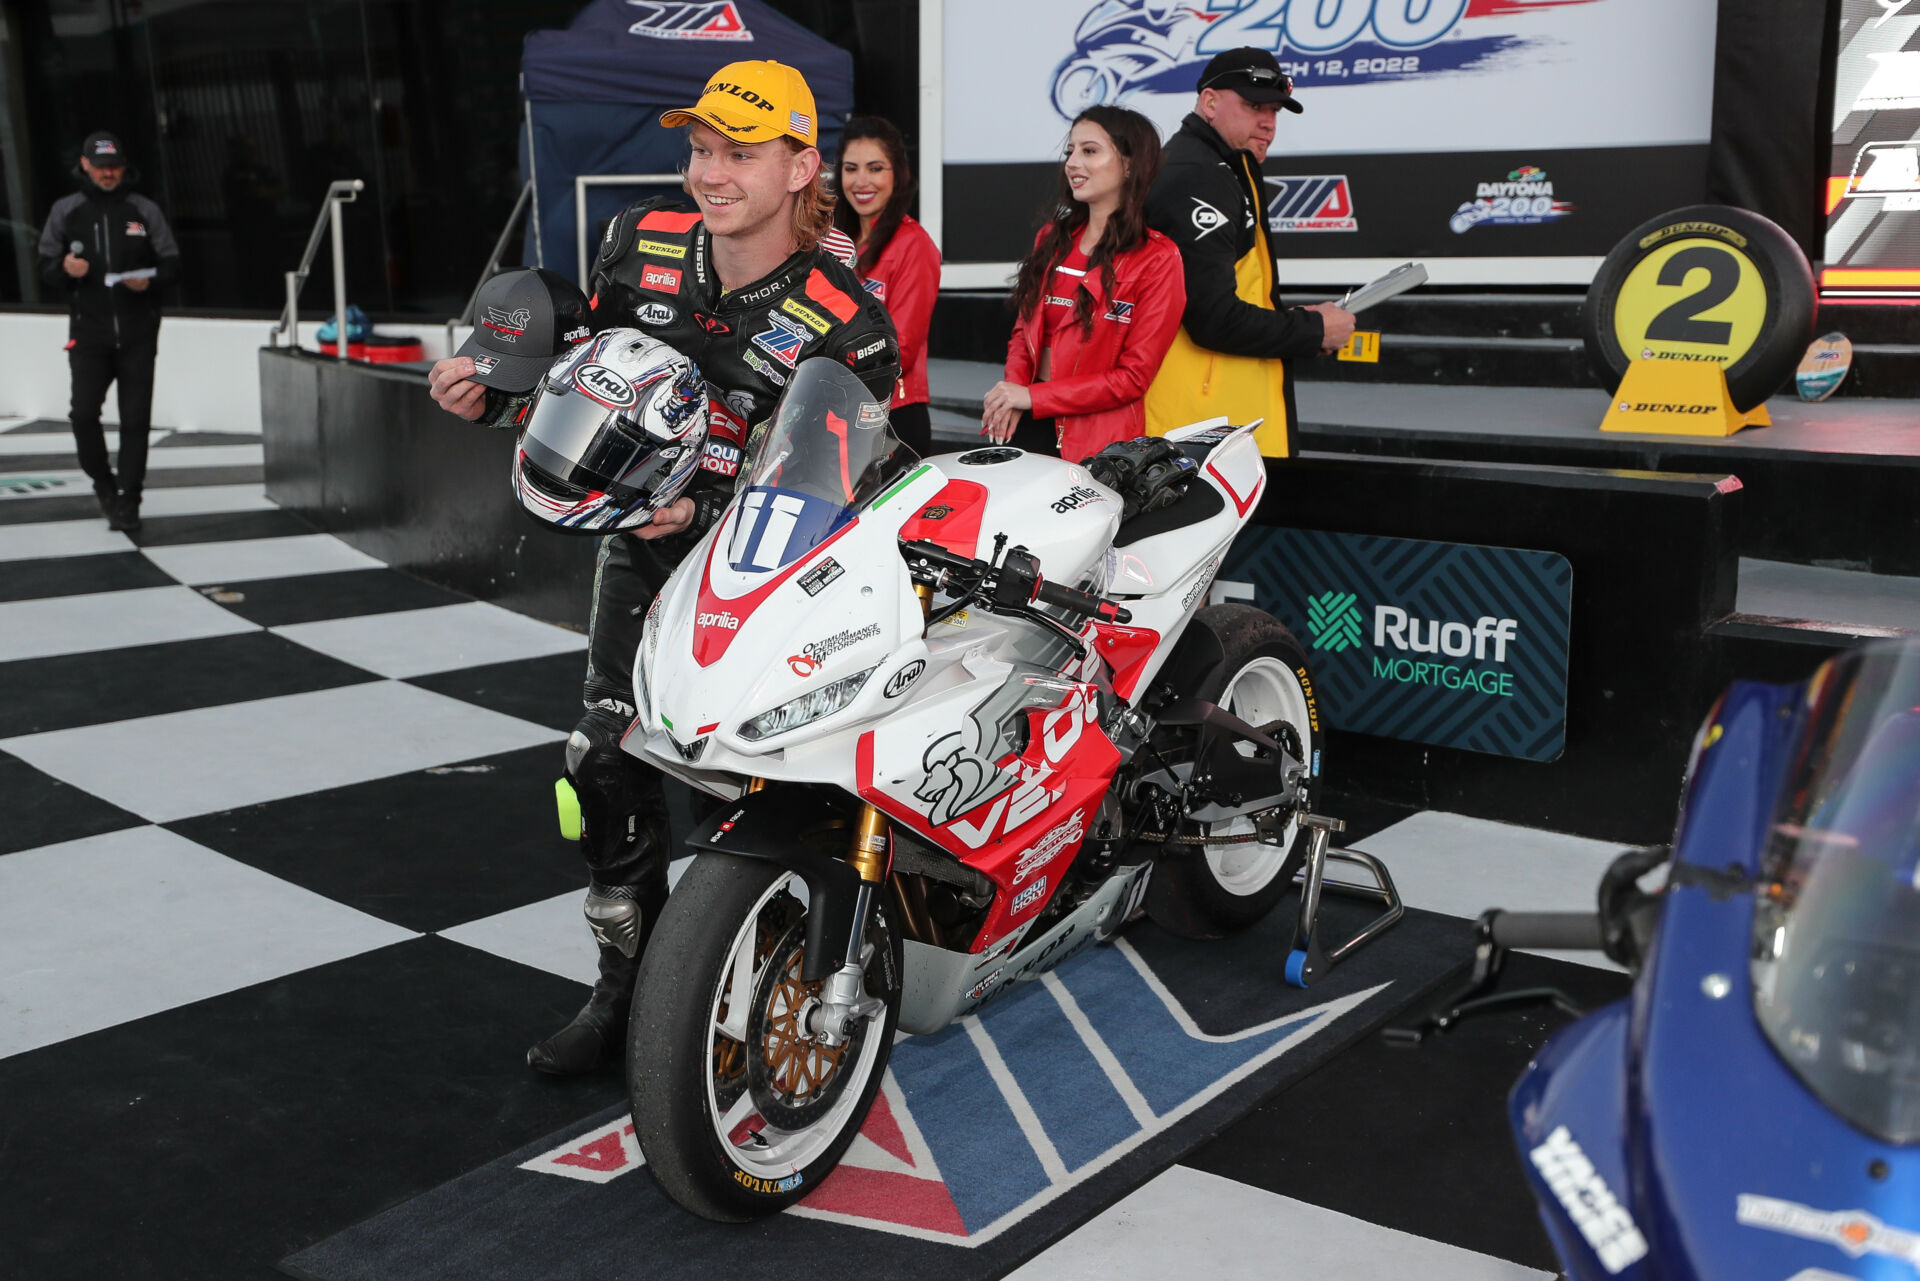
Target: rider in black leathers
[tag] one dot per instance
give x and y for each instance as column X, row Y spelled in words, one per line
column 655, row 271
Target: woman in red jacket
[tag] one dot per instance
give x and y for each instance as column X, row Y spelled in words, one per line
column 898, row 259
column 1099, row 299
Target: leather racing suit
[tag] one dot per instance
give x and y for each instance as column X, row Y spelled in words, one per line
column 654, row 272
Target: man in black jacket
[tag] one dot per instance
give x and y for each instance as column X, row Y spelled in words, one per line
column 113, row 251
column 747, row 289
column 1234, row 338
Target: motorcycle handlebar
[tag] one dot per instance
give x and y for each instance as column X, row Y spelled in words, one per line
column 1557, row 931
column 1080, row 602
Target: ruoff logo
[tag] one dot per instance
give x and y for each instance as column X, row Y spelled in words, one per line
column 605, row 386
column 721, row 619
column 1334, row 621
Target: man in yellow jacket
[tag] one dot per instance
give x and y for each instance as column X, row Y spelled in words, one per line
column 1229, row 356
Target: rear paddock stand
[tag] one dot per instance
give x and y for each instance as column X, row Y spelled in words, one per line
column 1307, row 958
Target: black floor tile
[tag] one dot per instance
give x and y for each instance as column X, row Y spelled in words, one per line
column 1416, row 1138
column 55, row 459
column 74, row 503
column 306, row 598
column 427, row 850
column 146, row 680
column 219, row 527
column 42, row 810
column 46, row 424
column 214, row 1139
column 545, row 691
column 180, row 438
column 77, row 575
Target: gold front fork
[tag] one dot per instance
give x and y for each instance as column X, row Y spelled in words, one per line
column 869, row 853
column 754, row 785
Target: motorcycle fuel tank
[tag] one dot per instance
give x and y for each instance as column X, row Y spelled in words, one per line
column 1052, row 508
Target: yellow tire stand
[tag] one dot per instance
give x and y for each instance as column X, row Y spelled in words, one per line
column 1678, row 398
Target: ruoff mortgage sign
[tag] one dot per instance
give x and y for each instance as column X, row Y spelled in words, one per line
column 1442, row 643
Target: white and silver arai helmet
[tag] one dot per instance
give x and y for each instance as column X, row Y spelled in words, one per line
column 614, row 435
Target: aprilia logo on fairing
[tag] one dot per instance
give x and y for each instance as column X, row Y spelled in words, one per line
column 1078, row 496
column 721, row 619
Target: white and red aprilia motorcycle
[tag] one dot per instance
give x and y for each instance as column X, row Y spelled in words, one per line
column 943, row 772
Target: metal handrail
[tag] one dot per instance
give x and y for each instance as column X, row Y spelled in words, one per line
column 585, row 180
column 339, row 193
column 493, row 264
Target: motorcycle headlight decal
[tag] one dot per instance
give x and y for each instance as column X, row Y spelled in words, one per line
column 807, row 708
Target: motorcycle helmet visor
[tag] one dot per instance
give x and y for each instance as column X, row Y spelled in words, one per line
column 1836, row 947
column 585, row 444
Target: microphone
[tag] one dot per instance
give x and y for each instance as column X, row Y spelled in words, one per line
column 78, row 249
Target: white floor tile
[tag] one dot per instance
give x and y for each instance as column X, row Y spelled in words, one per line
column 99, row 931
column 60, row 538
column 1186, row 1220
column 28, row 485
column 250, row 558
column 204, row 500
column 125, row 924
column 442, row 639
column 550, row 935
column 1463, row 866
column 185, row 456
column 110, row 620
column 214, row 758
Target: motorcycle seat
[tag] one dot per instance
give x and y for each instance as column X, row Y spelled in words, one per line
column 1201, row 502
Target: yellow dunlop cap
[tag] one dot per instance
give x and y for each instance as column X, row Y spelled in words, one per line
column 754, row 102
column 568, row 802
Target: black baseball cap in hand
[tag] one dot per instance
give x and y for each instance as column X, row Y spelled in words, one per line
column 103, row 149
column 522, row 320
column 1252, row 73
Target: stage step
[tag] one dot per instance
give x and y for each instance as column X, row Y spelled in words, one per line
column 1789, row 619
column 1506, row 339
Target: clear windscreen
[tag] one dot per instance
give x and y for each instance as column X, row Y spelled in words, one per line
column 1836, row 947
column 828, row 452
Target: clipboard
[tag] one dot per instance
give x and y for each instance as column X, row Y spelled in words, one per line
column 1396, row 282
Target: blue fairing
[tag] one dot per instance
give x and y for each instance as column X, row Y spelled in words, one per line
column 1731, row 1168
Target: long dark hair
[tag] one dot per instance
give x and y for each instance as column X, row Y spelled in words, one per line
column 875, row 129
column 1138, row 143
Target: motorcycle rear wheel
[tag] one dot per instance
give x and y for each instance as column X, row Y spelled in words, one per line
column 1264, row 680
column 738, row 1114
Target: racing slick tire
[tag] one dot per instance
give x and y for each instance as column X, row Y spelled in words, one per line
column 737, row 1112
column 1263, row 678
column 1752, row 312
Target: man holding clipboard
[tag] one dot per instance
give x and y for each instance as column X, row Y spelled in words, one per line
column 1229, row 356
column 110, row 249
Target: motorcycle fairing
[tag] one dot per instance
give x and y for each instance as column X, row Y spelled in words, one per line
column 1018, row 816
column 1712, row 1123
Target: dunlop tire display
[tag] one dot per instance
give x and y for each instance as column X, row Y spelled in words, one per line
column 1708, row 283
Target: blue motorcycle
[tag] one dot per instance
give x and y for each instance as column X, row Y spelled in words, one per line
column 1752, row 1111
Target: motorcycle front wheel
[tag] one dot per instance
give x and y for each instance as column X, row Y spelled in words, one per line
column 738, row 1112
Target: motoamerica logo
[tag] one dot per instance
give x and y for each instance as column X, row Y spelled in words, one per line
column 1334, row 621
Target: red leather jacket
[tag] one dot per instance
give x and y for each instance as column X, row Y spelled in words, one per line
column 906, row 280
column 1097, row 381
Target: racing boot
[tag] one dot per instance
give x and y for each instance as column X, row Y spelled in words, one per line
column 126, row 511
column 597, row 1036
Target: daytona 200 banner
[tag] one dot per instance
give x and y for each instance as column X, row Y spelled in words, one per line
column 1444, row 643
column 1433, row 128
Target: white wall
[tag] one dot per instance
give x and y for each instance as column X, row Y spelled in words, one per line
column 206, row 378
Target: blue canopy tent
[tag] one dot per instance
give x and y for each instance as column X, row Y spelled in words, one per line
column 594, row 93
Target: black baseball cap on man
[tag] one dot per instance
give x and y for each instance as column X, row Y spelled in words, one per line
column 1252, row 73
column 523, row 319
column 103, row 149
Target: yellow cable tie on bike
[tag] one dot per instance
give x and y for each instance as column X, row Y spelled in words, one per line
column 568, row 802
